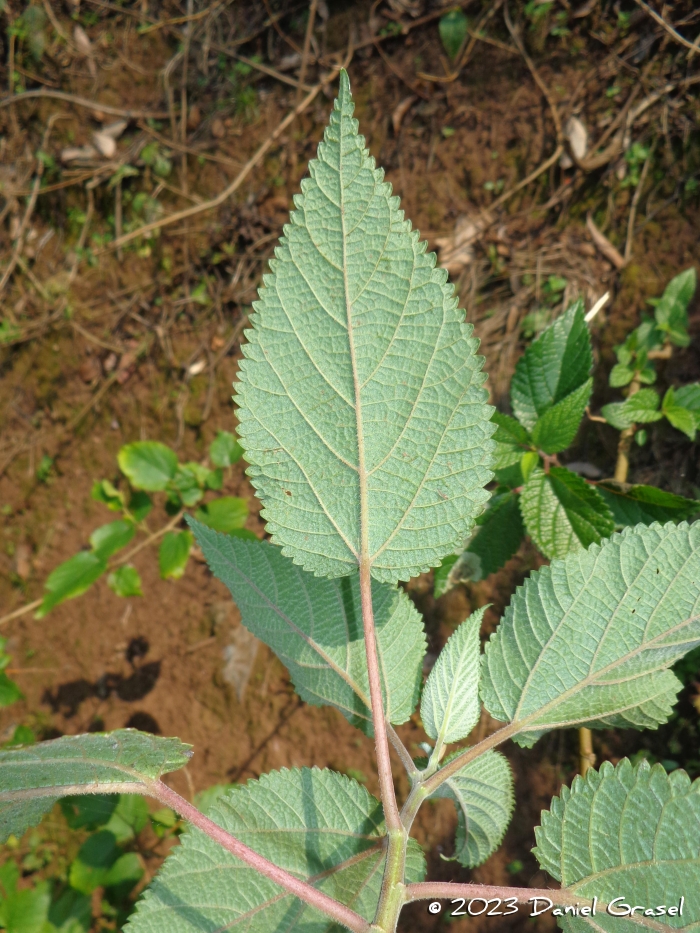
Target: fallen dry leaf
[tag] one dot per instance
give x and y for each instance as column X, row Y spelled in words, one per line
column 239, row 656
column 401, row 110
column 105, row 144
column 78, row 154
column 23, row 565
column 457, row 251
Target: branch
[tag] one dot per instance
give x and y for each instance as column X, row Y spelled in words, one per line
column 693, row 46
column 305, row 892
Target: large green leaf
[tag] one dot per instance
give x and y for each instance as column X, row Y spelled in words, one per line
column 631, row 833
column 315, row 626
column 590, row 638
column 562, row 512
column 362, row 412
column 318, row 825
column 512, row 440
column 635, row 504
column 483, row 794
column 554, row 365
column 450, row 704
column 33, row 778
column 558, row 426
column 148, row 465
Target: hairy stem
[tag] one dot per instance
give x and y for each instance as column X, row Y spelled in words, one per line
column 386, row 778
column 305, row 892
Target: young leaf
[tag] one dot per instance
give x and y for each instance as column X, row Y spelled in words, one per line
column 483, row 795
column 689, row 397
column 453, row 31
column 9, row 691
column 323, row 827
column 148, row 465
column 105, row 492
column 642, row 407
column 314, row 625
column 140, row 505
column 225, row 450
column 681, row 418
column 562, row 512
column 630, row 831
column 589, row 639
column 186, row 487
column 125, row 581
column 671, row 310
column 33, row 778
column 108, row 539
column 450, row 705
column 71, row 578
column 632, row 505
column 511, row 440
column 621, row 375
column 223, row 514
column 348, row 471
column 616, row 415
column 554, row 365
column 173, row 554
column 499, row 534
column 558, row 426
column 441, row 575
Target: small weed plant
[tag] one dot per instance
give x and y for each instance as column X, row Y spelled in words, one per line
column 365, row 424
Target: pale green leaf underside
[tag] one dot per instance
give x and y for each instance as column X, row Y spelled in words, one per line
column 318, row 825
column 33, row 778
column 589, row 639
column 314, row 625
column 626, row 831
column 482, row 792
column 360, row 383
column 450, row 704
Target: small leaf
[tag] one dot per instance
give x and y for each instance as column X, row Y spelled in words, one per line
column 173, row 554
column 616, row 415
column 553, row 366
column 224, row 514
column 122, row 757
column 621, row 375
column 225, row 450
column 482, row 792
column 450, row 705
column 681, row 419
column 689, row 397
column 323, row 827
column 511, row 440
column 441, row 574
column 562, row 512
column 590, row 639
column 499, row 533
column 140, row 505
column 9, row 691
column 635, row 504
column 626, row 831
column 125, row 581
column 103, row 491
column 72, row 578
column 96, row 856
column 109, row 539
column 671, row 310
column 558, row 426
column 315, row 627
column 186, row 485
column 148, row 465
column 642, row 407
column 453, row 31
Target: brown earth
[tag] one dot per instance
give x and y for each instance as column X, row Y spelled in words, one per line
column 156, row 663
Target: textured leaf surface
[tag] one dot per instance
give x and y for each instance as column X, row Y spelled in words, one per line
column 62, row 765
column 554, row 365
column 450, row 704
column 483, row 794
column 361, row 408
column 499, row 534
column 642, row 407
column 626, row 831
column 635, row 504
column 318, row 825
column 590, row 638
column 562, row 512
column 558, row 426
column 314, row 625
